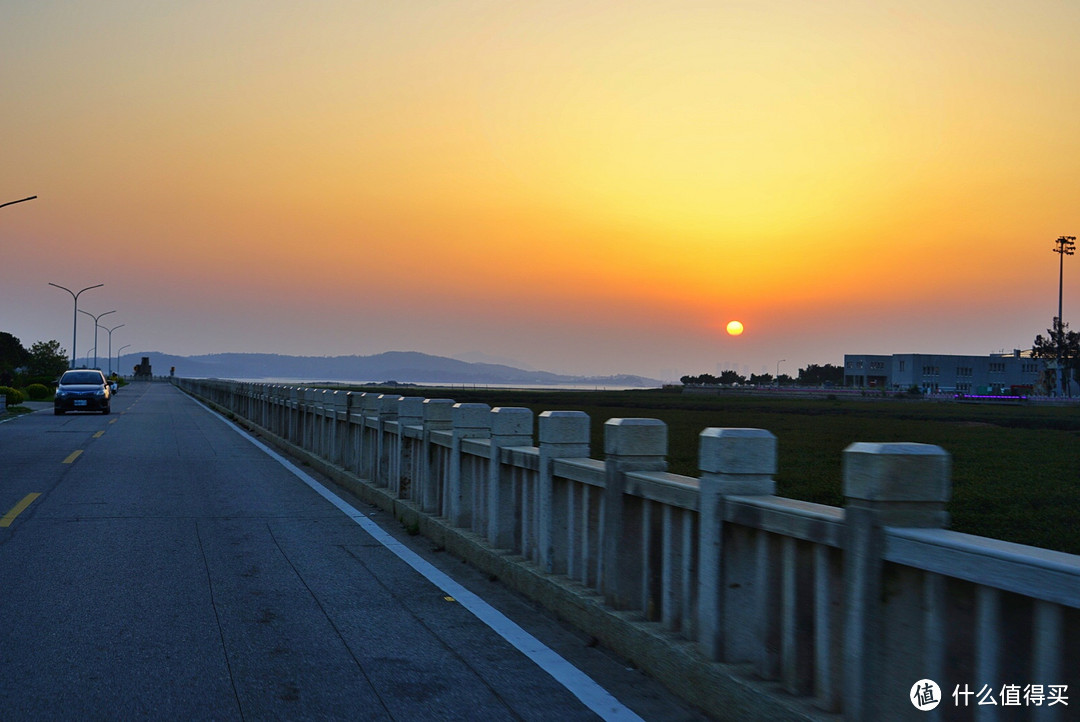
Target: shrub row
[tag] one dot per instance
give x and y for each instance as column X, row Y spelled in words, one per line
column 34, row 392
column 14, row 396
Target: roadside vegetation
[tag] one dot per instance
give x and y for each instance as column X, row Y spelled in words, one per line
column 31, row 374
column 1015, row 469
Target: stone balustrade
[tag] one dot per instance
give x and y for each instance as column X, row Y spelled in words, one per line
column 790, row 609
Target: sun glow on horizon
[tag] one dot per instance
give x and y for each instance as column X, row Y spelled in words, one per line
column 567, row 170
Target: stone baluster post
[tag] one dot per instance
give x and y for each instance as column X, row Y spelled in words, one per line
column 335, row 430
column 470, row 421
column 897, row 484
column 388, row 408
column 369, row 411
column 629, row 445
column 438, row 416
column 293, row 406
column 563, row 435
column 410, row 413
column 327, row 414
column 342, row 420
column 733, row 462
column 307, row 418
column 510, row 426
column 278, row 398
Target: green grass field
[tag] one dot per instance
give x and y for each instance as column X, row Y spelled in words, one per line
column 1015, row 469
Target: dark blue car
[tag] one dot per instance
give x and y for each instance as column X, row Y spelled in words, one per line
column 83, row 390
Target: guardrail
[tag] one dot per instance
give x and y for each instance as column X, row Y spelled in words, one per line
column 837, row 610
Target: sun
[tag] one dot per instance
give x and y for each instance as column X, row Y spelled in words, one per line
column 734, row 328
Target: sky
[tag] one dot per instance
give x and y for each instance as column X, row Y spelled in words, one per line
column 585, row 187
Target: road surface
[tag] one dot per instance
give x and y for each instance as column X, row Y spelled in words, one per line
column 155, row 563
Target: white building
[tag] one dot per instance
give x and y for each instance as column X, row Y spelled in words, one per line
column 1016, row 372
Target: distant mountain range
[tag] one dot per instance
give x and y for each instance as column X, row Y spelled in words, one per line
column 400, row 366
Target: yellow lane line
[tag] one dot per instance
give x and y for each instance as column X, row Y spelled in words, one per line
column 72, row 456
column 99, row 434
column 114, row 421
column 18, row 509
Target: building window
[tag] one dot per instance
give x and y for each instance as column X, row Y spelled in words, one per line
column 902, row 363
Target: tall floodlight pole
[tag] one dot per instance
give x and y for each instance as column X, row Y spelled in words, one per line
column 110, row 330
column 778, row 371
column 118, row 355
column 1066, row 246
column 75, row 325
column 96, row 328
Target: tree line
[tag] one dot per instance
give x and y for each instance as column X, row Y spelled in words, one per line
column 812, row 375
column 44, row 362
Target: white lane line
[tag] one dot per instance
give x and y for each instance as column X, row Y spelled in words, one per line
column 579, row 684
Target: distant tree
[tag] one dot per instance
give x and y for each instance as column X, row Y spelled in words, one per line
column 814, row 375
column 700, row 380
column 12, row 353
column 761, row 379
column 784, row 380
column 732, row 377
column 46, row 358
column 1059, row 337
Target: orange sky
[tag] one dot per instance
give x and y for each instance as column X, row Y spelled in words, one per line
column 592, row 187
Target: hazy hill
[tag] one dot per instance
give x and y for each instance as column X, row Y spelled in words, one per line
column 403, row 366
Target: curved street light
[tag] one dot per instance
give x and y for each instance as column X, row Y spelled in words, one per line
column 21, row 200
column 110, row 330
column 96, row 328
column 118, row 355
column 75, row 324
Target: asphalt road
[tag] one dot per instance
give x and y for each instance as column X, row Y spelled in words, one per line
column 168, row 568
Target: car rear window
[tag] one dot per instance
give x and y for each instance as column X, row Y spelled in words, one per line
column 81, row 377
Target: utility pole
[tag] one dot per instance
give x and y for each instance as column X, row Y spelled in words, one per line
column 1066, row 246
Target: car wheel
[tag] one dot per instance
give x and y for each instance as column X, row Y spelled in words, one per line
column 58, row 412
column 106, row 410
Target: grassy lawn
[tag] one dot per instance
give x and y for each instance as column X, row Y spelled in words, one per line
column 1016, row 469
column 13, row 411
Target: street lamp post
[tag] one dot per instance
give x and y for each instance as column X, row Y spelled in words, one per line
column 96, row 328
column 778, row 371
column 118, row 355
column 75, row 324
column 21, row 200
column 1065, row 247
column 110, row 330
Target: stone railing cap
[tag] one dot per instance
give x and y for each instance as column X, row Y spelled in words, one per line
column 564, row 427
column 511, row 421
column 635, row 437
column 471, row 416
column 898, row 471
column 737, row 451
